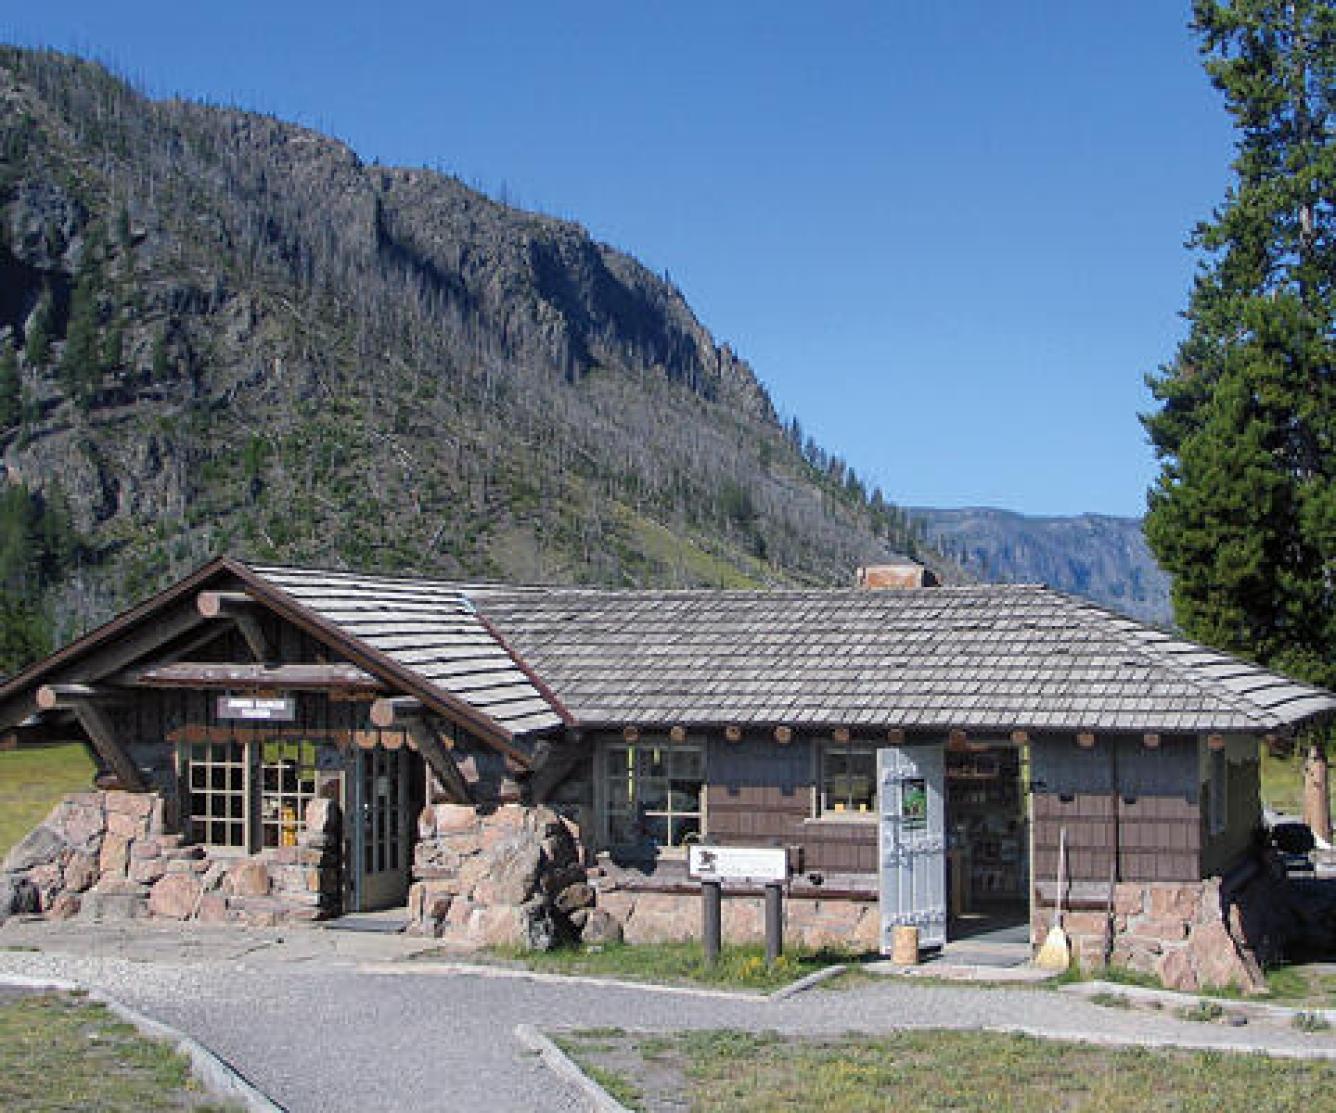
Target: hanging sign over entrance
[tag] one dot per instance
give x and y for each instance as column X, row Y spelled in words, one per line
column 265, row 709
column 738, row 863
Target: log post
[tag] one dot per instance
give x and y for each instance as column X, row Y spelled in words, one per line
column 1317, row 792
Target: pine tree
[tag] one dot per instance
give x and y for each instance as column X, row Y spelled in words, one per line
column 37, row 342
column 11, row 390
column 1243, row 514
column 80, row 362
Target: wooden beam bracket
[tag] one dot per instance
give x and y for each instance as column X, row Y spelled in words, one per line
column 437, row 756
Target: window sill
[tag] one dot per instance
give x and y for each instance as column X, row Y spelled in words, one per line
column 843, row 817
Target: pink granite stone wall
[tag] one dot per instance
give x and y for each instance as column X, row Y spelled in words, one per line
column 107, row 855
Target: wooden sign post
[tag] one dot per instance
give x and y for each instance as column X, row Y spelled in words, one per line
column 713, row 865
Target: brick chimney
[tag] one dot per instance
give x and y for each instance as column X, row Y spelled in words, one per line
column 882, row 577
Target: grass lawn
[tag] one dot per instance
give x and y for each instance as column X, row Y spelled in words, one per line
column 740, row 967
column 928, row 1070
column 1283, row 781
column 32, row 780
column 61, row 1052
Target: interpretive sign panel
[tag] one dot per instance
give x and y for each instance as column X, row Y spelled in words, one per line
column 763, row 864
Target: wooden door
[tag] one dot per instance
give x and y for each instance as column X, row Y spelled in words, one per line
column 381, row 845
column 911, row 783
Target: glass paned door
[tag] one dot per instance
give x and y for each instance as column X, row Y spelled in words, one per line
column 381, row 846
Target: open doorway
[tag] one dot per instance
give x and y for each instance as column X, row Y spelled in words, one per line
column 988, row 876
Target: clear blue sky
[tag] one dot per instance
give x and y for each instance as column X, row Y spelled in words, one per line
column 949, row 237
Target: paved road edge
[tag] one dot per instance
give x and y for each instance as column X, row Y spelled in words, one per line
column 565, row 1068
column 216, row 1074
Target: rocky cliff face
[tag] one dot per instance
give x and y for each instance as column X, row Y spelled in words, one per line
column 1102, row 558
column 231, row 334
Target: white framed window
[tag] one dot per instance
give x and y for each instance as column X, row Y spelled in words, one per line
column 248, row 794
column 219, row 787
column 848, row 781
column 287, row 785
column 652, row 793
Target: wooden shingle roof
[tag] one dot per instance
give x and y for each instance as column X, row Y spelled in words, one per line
column 431, row 628
column 983, row 657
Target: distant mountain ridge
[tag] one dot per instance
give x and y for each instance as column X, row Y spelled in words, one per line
column 1102, row 558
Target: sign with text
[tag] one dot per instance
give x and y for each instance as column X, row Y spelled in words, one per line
column 264, row 709
column 765, row 864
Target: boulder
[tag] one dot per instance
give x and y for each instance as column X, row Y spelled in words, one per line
column 82, row 822
column 449, row 818
column 126, row 825
column 1218, row 962
column 38, row 847
column 18, row 896
column 81, row 871
column 138, row 805
column 573, row 897
column 65, row 907
column 48, row 880
column 1175, row 970
column 248, row 879
column 212, row 908
column 513, row 874
column 147, row 870
column 538, row 930
column 599, row 928
column 114, row 857
column 112, row 899
column 175, row 896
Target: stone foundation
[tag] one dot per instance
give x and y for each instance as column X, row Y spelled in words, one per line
column 108, row 856
column 1190, row 936
column 657, row 917
column 508, row 877
column 513, row 877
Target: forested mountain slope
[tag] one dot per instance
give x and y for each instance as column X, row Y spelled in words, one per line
column 1102, row 558
column 222, row 332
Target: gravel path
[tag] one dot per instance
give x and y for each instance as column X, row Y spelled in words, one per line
column 318, row 1028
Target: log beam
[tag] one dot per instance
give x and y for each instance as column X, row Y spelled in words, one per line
column 241, row 609
column 552, row 762
column 63, row 697
column 438, row 759
column 98, row 727
column 391, row 710
column 221, row 674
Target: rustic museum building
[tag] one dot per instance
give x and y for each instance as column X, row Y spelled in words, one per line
column 527, row 764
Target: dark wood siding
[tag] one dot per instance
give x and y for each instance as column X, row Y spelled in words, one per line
column 760, row 794
column 1151, row 816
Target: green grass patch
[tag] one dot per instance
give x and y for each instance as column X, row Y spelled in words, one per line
column 739, row 967
column 1302, row 985
column 62, row 1052
column 1204, row 1012
column 712, row 1072
column 32, row 779
column 1283, row 780
column 1310, row 1022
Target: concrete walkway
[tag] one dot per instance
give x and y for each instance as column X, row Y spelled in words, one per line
column 323, row 1020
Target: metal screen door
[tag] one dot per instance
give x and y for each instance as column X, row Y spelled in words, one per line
column 911, row 783
column 381, row 834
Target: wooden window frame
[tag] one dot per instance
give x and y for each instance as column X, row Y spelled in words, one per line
column 614, row 761
column 252, row 791
column 824, row 806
